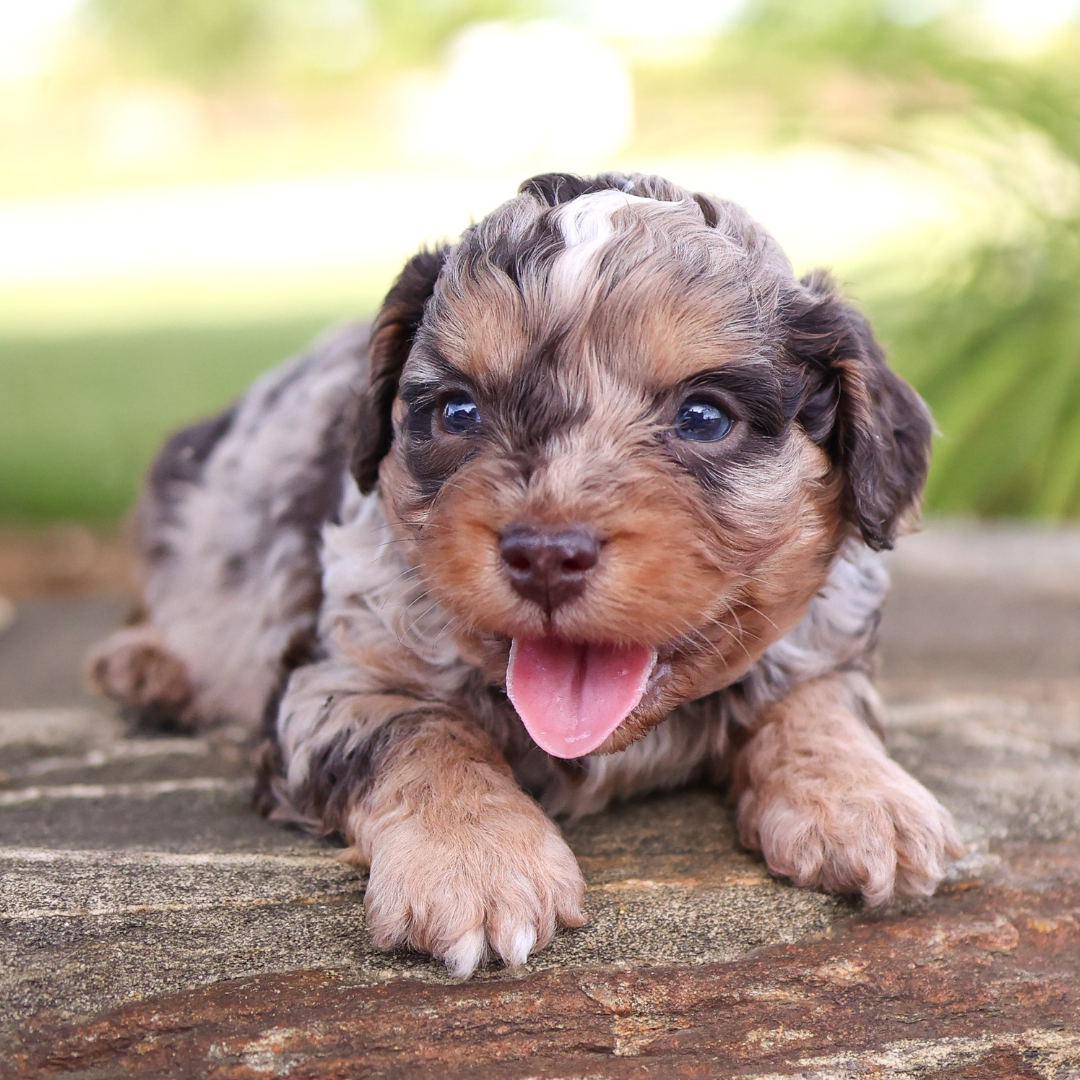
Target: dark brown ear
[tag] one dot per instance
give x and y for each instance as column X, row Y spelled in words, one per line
column 392, row 336
column 872, row 423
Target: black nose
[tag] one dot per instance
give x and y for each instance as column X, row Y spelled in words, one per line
column 546, row 565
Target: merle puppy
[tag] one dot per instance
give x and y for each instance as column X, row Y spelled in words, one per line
column 592, row 509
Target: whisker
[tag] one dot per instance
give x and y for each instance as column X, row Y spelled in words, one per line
column 736, row 637
column 406, row 521
column 396, row 578
column 758, row 611
column 695, row 633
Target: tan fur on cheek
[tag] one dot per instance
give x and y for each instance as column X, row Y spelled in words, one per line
column 790, row 529
column 775, row 546
column 456, row 546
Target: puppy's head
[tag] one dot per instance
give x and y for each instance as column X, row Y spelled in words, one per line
column 623, row 445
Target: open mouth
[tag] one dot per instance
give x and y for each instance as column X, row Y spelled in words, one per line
column 571, row 696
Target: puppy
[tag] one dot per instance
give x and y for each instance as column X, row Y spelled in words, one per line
column 593, row 509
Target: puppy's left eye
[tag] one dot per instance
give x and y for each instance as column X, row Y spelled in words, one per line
column 702, row 420
column 459, row 415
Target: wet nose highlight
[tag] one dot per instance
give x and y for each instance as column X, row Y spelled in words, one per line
column 548, row 565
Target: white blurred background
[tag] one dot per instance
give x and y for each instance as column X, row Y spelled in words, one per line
column 172, row 201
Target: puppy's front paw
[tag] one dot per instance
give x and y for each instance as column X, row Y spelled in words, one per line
column 850, row 826
column 460, row 883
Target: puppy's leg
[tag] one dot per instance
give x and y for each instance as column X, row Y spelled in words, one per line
column 461, row 860
column 826, row 806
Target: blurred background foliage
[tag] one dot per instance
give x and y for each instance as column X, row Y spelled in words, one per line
column 198, row 40
column 981, row 310
column 229, row 42
column 992, row 337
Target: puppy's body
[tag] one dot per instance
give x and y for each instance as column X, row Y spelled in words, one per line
column 609, row 429
column 227, row 536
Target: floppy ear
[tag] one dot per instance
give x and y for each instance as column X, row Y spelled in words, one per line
column 392, row 336
column 872, row 423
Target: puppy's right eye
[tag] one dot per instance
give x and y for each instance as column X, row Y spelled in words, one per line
column 459, row 415
column 702, row 420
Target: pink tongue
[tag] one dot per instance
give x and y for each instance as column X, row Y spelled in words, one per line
column 572, row 697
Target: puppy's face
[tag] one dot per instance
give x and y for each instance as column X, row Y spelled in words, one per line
column 607, row 461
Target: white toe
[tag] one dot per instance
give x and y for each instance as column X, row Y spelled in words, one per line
column 521, row 944
column 463, row 957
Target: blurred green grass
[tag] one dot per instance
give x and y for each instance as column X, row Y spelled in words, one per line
column 994, row 348
column 82, row 414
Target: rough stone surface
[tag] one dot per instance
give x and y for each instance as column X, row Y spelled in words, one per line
column 152, row 925
column 41, row 652
column 979, row 982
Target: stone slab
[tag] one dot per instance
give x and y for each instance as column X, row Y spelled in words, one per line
column 979, row 982
column 86, row 929
column 41, row 651
column 195, row 815
column 977, row 607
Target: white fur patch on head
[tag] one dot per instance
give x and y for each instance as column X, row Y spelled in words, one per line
column 587, row 225
column 587, row 219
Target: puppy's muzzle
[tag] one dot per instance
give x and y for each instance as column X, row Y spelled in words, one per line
column 548, row 566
